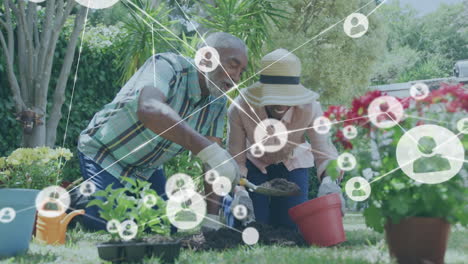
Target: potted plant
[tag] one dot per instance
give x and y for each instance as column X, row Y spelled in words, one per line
column 415, row 216
column 22, row 175
column 131, row 213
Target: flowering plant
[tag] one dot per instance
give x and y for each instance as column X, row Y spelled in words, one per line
column 33, row 168
column 394, row 195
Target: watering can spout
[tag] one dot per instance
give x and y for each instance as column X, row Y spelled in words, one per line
column 66, row 220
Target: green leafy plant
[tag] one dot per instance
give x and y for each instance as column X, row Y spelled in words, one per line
column 33, row 168
column 127, row 204
column 394, row 195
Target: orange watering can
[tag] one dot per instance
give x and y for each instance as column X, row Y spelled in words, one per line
column 52, row 230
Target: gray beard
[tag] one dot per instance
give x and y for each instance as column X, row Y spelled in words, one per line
column 211, row 85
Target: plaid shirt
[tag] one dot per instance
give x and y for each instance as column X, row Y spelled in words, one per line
column 115, row 131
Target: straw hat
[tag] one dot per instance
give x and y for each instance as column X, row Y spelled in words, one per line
column 279, row 82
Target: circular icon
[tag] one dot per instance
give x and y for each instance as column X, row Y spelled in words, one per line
column 272, row 134
column 150, row 200
column 462, row 125
column 207, row 59
column 385, row 111
column 346, row 161
column 113, row 226
column 186, row 211
column 52, row 201
column 419, row 91
column 350, row 132
column 240, row 211
column 128, row 230
column 358, row 189
column 87, row 188
column 257, row 150
column 430, row 154
column 222, row 186
column 211, row 176
column 322, row 125
column 250, row 236
column 179, row 183
column 7, row 214
column 356, row 25
column 96, row 4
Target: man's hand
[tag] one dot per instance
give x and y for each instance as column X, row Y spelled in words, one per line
column 241, row 197
column 329, row 186
column 218, row 159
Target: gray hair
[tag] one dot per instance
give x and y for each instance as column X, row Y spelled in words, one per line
column 223, row 40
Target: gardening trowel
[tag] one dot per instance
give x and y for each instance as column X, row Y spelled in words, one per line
column 275, row 187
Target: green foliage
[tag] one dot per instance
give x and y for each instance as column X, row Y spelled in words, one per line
column 396, row 196
column 138, row 38
column 127, row 204
column 422, row 47
column 33, row 168
column 333, row 64
column 249, row 20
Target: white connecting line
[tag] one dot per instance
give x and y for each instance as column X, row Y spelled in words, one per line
column 73, row 91
column 204, row 74
column 224, row 93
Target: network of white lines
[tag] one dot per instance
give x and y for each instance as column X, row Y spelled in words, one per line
column 186, row 208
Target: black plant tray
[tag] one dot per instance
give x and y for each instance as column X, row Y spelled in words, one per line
column 167, row 252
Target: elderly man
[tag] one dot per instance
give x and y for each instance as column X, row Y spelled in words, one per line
column 277, row 146
column 167, row 106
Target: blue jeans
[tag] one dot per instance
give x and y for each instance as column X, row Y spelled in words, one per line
column 274, row 210
column 89, row 170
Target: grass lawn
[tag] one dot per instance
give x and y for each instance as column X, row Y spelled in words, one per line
column 362, row 246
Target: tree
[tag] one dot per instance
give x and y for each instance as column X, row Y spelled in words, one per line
column 334, row 65
column 28, row 36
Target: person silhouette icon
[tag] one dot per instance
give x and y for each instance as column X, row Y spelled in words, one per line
column 271, row 138
column 350, row 132
column 357, row 27
column 346, row 163
column 385, row 115
column 358, row 191
column 465, row 125
column 429, row 161
column 88, row 189
column 6, row 216
column 52, row 204
column 206, row 61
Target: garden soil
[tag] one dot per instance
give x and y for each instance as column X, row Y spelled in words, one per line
column 227, row 238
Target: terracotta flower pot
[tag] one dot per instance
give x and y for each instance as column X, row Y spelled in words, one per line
column 418, row 240
column 320, row 220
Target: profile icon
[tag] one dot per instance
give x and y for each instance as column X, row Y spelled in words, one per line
column 271, row 139
column 322, row 125
column 419, row 91
column 257, row 150
column 386, row 115
column 7, row 215
column 356, row 25
column 350, row 132
column 207, row 59
column 462, row 125
column 87, row 188
column 430, row 161
column 52, row 203
column 385, row 111
column 358, row 191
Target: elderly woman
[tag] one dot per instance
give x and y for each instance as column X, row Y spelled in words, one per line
column 282, row 142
